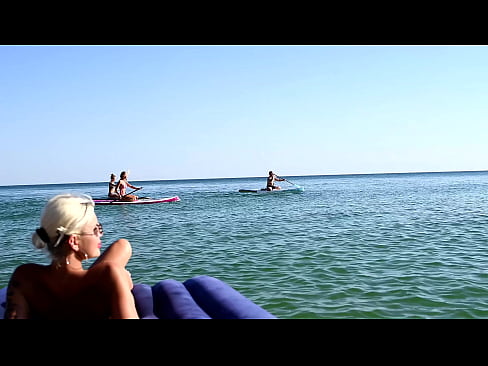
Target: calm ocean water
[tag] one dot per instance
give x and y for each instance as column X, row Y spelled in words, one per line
column 358, row 246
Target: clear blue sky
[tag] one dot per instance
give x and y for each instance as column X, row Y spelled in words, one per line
column 78, row 113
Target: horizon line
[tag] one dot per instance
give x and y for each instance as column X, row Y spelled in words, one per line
column 306, row 175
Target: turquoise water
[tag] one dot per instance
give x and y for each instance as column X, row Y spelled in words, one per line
column 358, row 246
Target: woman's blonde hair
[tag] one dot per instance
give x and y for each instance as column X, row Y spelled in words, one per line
column 63, row 215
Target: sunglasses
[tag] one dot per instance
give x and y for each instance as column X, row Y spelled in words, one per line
column 97, row 231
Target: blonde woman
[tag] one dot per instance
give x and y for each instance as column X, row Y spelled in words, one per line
column 70, row 231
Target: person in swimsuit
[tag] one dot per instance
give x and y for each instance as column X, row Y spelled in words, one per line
column 270, row 181
column 112, row 193
column 122, row 188
column 70, row 231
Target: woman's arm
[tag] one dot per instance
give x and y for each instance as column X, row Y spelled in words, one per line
column 117, row 188
column 119, row 252
column 117, row 284
column 123, row 302
column 119, row 281
column 130, row 185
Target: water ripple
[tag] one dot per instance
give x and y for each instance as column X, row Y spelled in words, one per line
column 380, row 246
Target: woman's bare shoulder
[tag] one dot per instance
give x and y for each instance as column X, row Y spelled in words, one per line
column 27, row 276
column 29, row 269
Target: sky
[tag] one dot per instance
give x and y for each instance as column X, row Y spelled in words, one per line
column 73, row 114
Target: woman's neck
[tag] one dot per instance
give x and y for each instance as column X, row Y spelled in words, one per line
column 69, row 264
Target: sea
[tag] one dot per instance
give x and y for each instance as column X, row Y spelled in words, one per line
column 409, row 245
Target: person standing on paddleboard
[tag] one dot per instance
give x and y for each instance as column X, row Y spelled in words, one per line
column 122, row 187
column 270, row 181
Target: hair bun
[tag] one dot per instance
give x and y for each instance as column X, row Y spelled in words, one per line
column 37, row 241
column 40, row 238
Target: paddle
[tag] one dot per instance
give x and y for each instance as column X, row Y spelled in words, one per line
column 286, row 180
column 132, row 191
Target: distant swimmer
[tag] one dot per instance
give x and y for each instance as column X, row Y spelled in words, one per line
column 272, row 177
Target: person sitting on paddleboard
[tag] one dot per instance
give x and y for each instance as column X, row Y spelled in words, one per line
column 69, row 230
column 122, row 187
column 112, row 193
column 270, row 182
